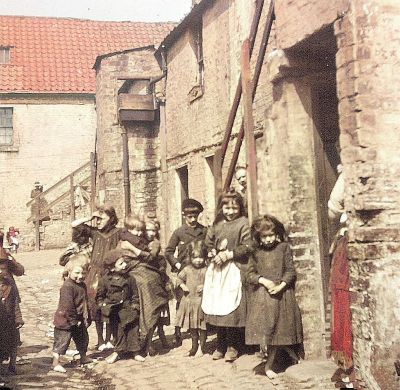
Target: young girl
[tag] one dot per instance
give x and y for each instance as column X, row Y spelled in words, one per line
column 274, row 318
column 224, row 297
column 191, row 281
column 118, row 300
column 72, row 317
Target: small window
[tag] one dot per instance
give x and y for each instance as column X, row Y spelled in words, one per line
column 6, row 126
column 4, row 55
column 198, row 39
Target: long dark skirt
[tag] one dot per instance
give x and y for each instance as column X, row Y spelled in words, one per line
column 152, row 295
column 273, row 320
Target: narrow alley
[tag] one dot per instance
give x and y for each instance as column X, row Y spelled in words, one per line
column 167, row 370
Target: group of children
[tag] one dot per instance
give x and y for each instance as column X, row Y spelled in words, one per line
column 231, row 278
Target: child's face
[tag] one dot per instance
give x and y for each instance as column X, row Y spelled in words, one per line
column 231, row 210
column 190, row 218
column 197, row 262
column 120, row 265
column 136, row 232
column 268, row 238
column 4, row 273
column 77, row 274
column 150, row 233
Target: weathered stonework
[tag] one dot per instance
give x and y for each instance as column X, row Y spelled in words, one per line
column 144, row 160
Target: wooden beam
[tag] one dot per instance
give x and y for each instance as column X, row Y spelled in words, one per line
column 92, row 181
column 72, row 197
column 251, row 155
column 257, row 73
column 238, row 93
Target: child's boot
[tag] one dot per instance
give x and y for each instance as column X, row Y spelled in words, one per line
column 203, row 340
column 163, row 339
column 12, row 370
column 195, row 342
column 178, row 336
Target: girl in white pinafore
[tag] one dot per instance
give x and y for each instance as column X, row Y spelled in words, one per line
column 224, row 296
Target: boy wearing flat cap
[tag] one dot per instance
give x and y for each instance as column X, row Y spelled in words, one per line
column 191, row 230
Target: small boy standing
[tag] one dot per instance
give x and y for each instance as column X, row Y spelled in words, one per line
column 72, row 317
column 191, row 230
column 118, row 299
column 10, row 314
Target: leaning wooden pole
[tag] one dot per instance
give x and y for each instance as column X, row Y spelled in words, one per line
column 251, row 155
column 257, row 73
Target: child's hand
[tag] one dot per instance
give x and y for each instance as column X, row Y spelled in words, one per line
column 268, row 284
column 178, row 266
column 277, row 289
column 223, row 256
column 199, row 289
column 184, row 288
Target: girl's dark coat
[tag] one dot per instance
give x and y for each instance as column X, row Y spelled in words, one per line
column 273, row 320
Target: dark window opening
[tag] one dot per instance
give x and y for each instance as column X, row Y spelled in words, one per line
column 6, row 126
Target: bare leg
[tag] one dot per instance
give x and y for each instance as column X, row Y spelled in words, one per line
column 56, row 363
column 13, row 361
column 272, row 349
column 99, row 330
column 292, row 354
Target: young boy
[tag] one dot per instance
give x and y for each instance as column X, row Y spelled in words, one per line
column 118, row 299
column 190, row 231
column 10, row 314
column 72, row 317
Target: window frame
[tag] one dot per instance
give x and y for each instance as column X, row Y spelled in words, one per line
column 7, row 128
column 5, row 55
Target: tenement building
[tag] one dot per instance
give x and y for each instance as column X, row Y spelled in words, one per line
column 323, row 92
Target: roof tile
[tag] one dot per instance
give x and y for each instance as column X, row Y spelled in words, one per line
column 48, row 54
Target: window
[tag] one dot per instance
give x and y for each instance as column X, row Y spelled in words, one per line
column 198, row 38
column 6, row 126
column 4, row 55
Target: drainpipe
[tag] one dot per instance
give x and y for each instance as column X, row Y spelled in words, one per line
column 163, row 146
column 125, row 171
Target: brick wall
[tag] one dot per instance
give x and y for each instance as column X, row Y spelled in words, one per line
column 144, row 160
column 369, row 119
column 53, row 136
column 285, row 151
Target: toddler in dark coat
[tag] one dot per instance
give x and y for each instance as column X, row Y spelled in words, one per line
column 72, row 317
column 118, row 299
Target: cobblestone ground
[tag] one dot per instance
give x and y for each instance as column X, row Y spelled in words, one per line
column 39, row 290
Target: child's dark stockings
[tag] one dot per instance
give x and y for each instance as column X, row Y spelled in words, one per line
column 197, row 334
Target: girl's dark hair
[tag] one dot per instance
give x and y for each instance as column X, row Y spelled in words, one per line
column 113, row 221
column 267, row 223
column 195, row 249
column 80, row 236
column 229, row 196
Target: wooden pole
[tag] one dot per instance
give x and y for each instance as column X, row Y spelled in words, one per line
column 72, row 196
column 251, row 155
column 125, row 170
column 92, row 181
column 37, row 224
column 257, row 73
column 238, row 93
column 217, row 171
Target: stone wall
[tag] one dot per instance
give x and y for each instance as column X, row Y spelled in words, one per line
column 144, row 160
column 369, row 109
column 53, row 135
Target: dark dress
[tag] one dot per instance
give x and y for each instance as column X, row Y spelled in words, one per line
column 273, row 320
column 118, row 298
column 10, row 316
column 190, row 315
column 237, row 232
column 102, row 243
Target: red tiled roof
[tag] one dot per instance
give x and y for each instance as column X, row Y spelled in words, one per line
column 56, row 55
